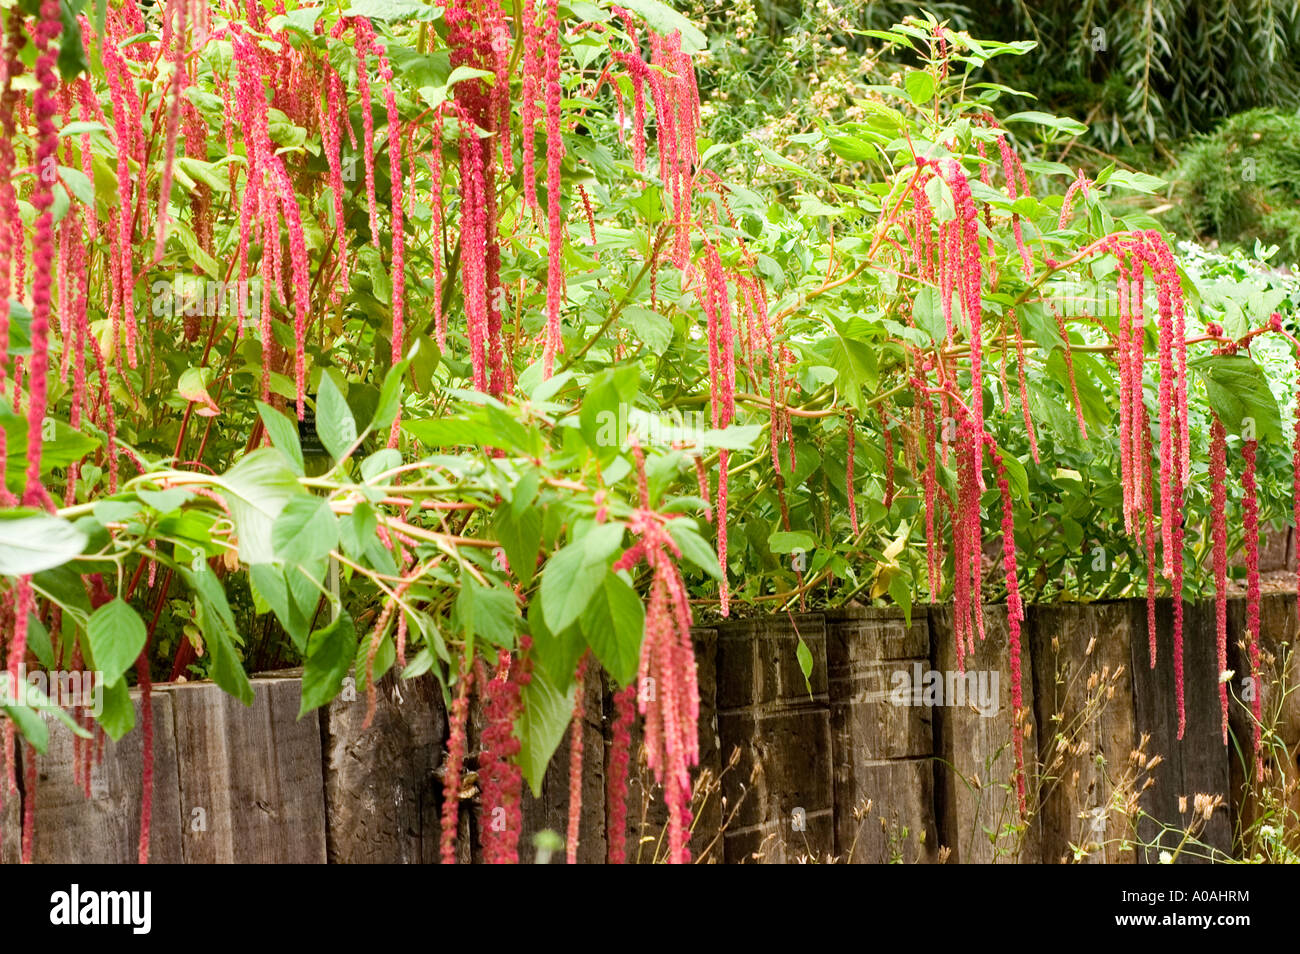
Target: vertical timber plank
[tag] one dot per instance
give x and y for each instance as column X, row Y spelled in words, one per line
column 978, row 808
column 882, row 773
column 783, row 780
column 550, row 810
column 253, row 774
column 1086, row 733
column 105, row 828
column 1279, row 703
column 1197, row 763
column 380, row 782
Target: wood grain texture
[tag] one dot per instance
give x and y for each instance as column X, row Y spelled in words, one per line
column 381, row 791
column 882, row 764
column 105, row 828
column 1198, row 762
column 252, row 776
column 782, row 726
column 1084, row 743
column 1279, row 702
column 976, row 802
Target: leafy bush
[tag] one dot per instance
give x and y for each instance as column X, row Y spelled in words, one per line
column 1240, row 185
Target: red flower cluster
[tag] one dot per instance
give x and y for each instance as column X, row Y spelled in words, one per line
column 499, row 775
column 1219, row 542
column 620, row 756
column 453, row 765
column 669, row 699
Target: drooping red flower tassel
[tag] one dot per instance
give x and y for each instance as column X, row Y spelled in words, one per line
column 499, row 772
column 451, row 773
column 554, row 207
column 1250, row 522
column 620, row 756
column 1219, row 540
column 1015, row 614
column 575, row 765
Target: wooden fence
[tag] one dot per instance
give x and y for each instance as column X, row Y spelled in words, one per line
column 828, row 766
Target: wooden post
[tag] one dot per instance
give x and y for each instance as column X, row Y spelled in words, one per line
column 977, row 803
column 1279, row 702
column 251, row 780
column 882, row 751
column 105, row 828
column 381, row 793
column 1198, row 764
column 1086, row 733
column 782, row 786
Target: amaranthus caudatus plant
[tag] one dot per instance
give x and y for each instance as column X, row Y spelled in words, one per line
column 458, row 305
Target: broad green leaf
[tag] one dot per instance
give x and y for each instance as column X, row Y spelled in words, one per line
column 284, row 434
column 487, row 612
column 920, row 86
column 521, row 537
column 1239, row 393
column 613, row 623
column 116, row 634
column 259, row 487
column 31, row 542
column 305, row 531
column 782, row 541
column 541, row 727
column 694, row 548
column 117, row 717
column 334, row 421
column 573, row 574
column 330, row 654
column 219, row 634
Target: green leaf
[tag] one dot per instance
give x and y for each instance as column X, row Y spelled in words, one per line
column 613, row 623
column 284, row 434
column 219, row 634
column 694, row 548
column 487, row 612
column 305, row 531
column 521, row 537
column 804, row 655
column 783, row 541
column 573, row 574
column 193, row 387
column 541, row 727
column 920, row 86
column 117, row 717
column 395, row 10
column 259, row 487
column 666, row 20
column 31, row 542
column 331, row 652
column 390, row 396
column 117, row 635
column 334, row 421
column 1239, row 393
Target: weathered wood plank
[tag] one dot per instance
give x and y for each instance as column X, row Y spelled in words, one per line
column 105, row 828
column 1196, row 764
column 1083, row 707
column 977, row 803
column 380, row 800
column 1279, row 702
column 882, row 751
column 550, row 810
column 646, row 837
column 251, row 779
column 781, row 790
